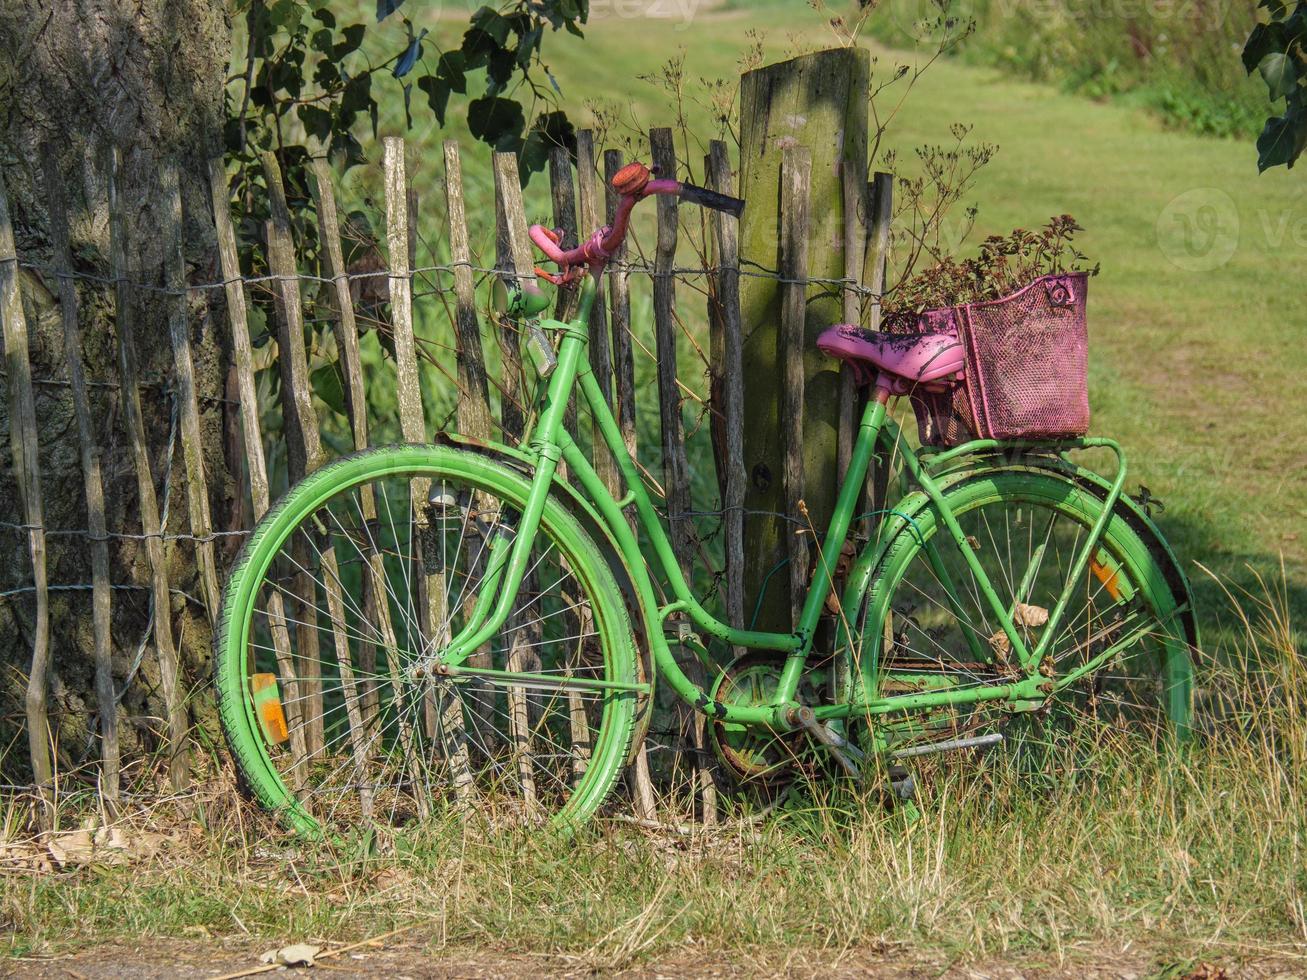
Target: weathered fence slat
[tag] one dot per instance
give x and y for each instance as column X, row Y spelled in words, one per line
column 93, row 482
column 731, row 372
column 442, row 713
column 242, row 352
column 303, row 443
column 623, row 403
column 347, row 333
column 474, row 417
column 676, row 467
column 169, row 670
column 796, row 168
column 619, row 305
column 513, row 258
column 880, row 208
column 27, row 471
column 197, row 487
column 590, row 208
column 360, row 696
column 855, row 244
column 562, row 192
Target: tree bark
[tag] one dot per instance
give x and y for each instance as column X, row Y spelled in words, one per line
column 76, row 78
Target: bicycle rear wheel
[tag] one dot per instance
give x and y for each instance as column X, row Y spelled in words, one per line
column 369, row 566
column 930, row 627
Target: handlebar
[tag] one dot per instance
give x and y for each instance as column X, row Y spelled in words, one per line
column 634, row 182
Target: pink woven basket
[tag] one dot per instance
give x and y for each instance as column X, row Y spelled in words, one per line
column 1026, row 354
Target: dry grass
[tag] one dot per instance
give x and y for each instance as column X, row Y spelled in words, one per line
column 1192, row 855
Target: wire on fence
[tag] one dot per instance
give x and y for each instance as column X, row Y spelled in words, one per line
column 631, row 268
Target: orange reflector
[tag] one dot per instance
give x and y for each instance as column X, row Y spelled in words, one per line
column 1107, row 576
column 267, row 704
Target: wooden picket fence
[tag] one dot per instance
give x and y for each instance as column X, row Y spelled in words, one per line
column 489, row 405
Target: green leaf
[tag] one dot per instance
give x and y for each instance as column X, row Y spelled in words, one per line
column 496, row 121
column 1265, row 39
column 316, row 120
column 356, row 97
column 386, row 7
column 325, row 16
column 450, row 71
column 499, row 70
column 493, row 23
column 351, row 38
column 527, row 46
column 327, row 385
column 437, row 92
column 1280, row 74
column 1282, row 141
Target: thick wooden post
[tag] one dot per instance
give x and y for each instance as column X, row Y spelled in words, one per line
column 818, row 101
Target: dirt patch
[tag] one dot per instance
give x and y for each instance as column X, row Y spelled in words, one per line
column 413, row 959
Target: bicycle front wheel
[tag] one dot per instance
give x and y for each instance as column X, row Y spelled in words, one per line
column 371, row 565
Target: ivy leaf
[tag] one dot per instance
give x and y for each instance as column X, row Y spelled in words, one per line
column 1280, row 74
column 327, row 385
column 1264, row 40
column 316, row 120
column 527, row 46
column 493, row 23
column 496, row 121
column 408, row 97
column 411, row 54
column 437, row 92
column 450, row 71
column 499, row 70
column 351, row 38
column 1283, row 139
column 387, row 7
column 548, row 131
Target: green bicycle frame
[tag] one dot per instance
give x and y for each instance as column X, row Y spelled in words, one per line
column 548, row 443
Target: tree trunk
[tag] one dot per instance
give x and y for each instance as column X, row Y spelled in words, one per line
column 76, row 78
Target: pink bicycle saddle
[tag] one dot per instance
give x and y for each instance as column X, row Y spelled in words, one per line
column 935, row 359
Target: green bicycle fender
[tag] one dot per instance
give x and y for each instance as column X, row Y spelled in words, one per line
column 589, row 519
column 1099, row 485
column 1143, row 526
column 909, row 507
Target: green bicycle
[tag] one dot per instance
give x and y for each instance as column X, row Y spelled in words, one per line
column 419, row 628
